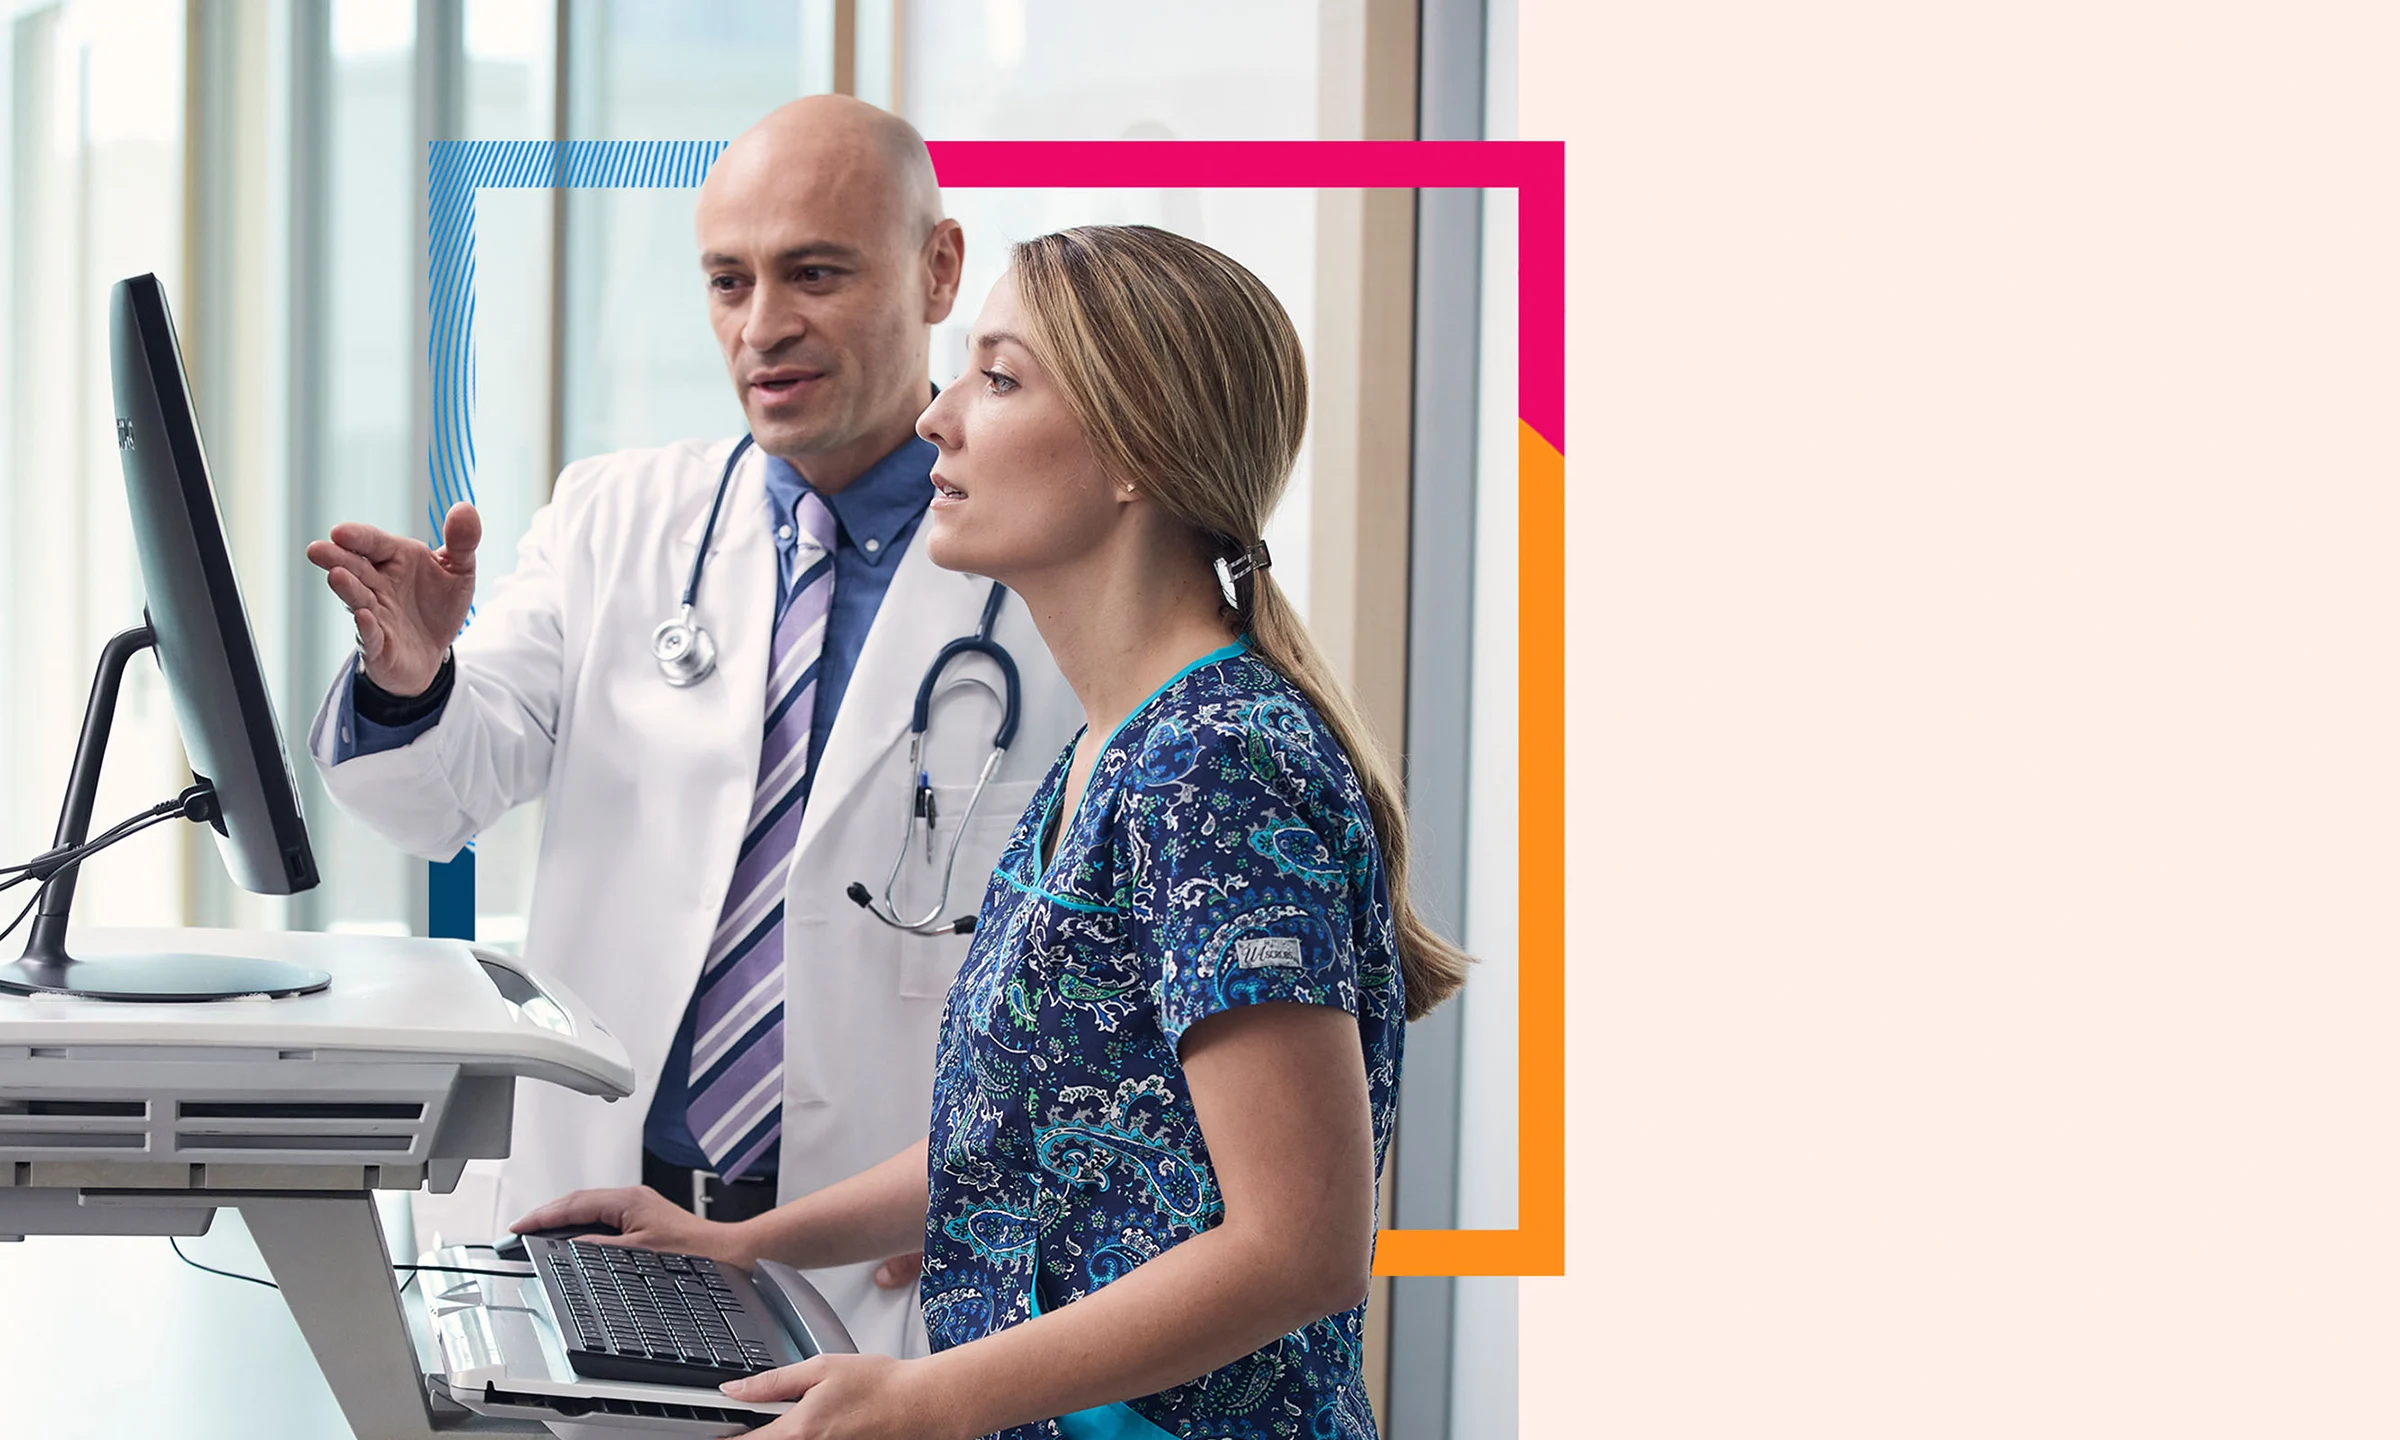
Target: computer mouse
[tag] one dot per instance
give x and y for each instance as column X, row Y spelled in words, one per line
column 513, row 1248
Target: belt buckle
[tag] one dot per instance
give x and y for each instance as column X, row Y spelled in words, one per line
column 700, row 1179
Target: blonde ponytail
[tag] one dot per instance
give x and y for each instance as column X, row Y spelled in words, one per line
column 1187, row 374
column 1431, row 968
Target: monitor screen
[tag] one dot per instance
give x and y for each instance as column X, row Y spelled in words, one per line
column 205, row 647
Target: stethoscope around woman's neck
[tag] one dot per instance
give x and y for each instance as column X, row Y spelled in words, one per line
column 686, row 656
column 885, row 907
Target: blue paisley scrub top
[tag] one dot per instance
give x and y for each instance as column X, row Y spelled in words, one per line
column 1222, row 854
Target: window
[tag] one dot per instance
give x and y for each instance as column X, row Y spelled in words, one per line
column 94, row 146
column 1090, row 69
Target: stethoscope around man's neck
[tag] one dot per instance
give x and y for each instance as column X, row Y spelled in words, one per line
column 685, row 653
column 686, row 656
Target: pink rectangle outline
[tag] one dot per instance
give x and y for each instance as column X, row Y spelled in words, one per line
column 1535, row 169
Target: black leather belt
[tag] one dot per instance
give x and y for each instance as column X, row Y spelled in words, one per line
column 707, row 1194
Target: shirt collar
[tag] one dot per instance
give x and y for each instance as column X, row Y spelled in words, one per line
column 876, row 506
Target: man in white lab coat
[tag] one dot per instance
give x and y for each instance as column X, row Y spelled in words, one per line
column 699, row 837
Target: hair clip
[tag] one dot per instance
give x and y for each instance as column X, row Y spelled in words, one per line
column 1253, row 557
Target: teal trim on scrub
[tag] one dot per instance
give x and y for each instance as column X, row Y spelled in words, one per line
column 1240, row 646
column 1108, row 1422
column 1102, row 1422
column 1085, row 906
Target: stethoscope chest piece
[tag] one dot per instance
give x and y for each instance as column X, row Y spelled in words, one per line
column 685, row 653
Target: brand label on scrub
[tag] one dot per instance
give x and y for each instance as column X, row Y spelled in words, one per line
column 1267, row 951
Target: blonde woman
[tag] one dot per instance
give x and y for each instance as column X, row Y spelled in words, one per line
column 1166, row 1072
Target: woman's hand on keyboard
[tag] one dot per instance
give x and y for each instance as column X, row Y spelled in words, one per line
column 645, row 1220
column 853, row 1397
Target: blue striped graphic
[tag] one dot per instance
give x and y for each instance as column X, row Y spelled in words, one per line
column 455, row 170
column 459, row 168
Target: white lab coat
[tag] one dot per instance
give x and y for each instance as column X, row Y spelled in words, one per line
column 648, row 789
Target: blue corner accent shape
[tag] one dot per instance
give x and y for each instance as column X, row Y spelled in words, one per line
column 455, row 170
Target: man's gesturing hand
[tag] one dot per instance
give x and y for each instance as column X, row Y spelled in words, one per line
column 407, row 599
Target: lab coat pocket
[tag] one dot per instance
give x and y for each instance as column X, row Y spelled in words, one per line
column 928, row 963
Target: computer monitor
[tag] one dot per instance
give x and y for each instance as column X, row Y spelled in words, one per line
column 201, row 633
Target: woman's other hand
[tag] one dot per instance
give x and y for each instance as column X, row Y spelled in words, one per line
column 854, row 1397
column 900, row 1270
column 647, row 1220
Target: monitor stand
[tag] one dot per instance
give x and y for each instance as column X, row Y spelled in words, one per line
column 47, row 968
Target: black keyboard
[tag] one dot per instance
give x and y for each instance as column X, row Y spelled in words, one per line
column 651, row 1317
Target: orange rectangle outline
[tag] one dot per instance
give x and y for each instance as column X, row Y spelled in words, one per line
column 1538, row 1246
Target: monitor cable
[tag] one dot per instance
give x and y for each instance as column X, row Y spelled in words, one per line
column 213, row 1270
column 197, row 802
column 524, row 1274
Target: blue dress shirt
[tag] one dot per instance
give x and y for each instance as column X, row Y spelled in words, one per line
column 875, row 515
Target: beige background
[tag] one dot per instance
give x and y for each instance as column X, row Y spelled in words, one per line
column 1986, row 808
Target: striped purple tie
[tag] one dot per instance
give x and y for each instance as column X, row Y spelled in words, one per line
column 737, row 1035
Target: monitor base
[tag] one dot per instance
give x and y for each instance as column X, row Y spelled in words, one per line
column 161, row 978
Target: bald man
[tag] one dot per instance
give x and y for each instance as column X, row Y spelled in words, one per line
column 708, row 803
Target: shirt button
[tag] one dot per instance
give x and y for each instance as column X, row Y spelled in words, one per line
column 873, row 545
column 784, row 533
